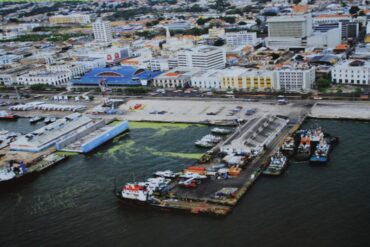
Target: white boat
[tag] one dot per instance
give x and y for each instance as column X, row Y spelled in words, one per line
column 204, row 144
column 166, row 174
column 36, row 119
column 135, row 192
column 192, row 175
column 221, row 131
column 211, row 138
column 6, row 174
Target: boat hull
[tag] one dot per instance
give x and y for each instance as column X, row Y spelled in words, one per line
column 302, row 156
column 9, row 118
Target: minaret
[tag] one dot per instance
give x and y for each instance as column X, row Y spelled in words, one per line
column 168, row 34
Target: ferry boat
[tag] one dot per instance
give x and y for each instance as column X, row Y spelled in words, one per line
column 277, row 165
column 36, row 119
column 143, row 192
column 288, row 147
column 134, row 193
column 7, row 116
column 321, row 154
column 221, row 131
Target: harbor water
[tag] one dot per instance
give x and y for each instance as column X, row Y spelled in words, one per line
column 72, row 204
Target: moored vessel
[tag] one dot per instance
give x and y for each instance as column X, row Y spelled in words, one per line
column 7, row 116
column 277, row 165
column 289, row 147
column 221, row 131
column 321, row 154
column 36, row 119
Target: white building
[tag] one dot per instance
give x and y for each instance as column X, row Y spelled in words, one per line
column 241, row 39
column 205, row 57
column 75, row 69
column 355, row 72
column 207, row 79
column 294, row 78
column 289, row 31
column 45, row 77
column 91, row 62
column 102, row 31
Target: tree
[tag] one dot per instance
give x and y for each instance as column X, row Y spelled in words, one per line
column 219, row 42
column 258, row 22
column 322, row 83
column 220, row 5
column 354, row 10
column 229, row 19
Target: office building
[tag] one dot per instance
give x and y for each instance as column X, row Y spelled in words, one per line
column 102, row 31
column 204, row 57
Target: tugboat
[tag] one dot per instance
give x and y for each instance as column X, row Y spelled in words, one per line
column 7, row 116
column 36, row 119
column 221, row 131
column 277, row 165
column 321, row 155
column 304, row 148
column 288, row 148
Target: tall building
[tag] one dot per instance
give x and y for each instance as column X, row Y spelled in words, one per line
column 205, row 57
column 289, row 31
column 102, row 31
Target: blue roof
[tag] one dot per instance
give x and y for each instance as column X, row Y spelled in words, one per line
column 116, row 76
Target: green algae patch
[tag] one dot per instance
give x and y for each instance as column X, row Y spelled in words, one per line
column 117, row 138
column 174, row 154
column 66, row 153
column 114, row 123
column 126, row 146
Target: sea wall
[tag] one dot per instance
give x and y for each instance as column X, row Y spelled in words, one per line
column 353, row 111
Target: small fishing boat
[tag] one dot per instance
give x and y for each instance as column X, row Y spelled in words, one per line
column 36, row 119
column 221, row 131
